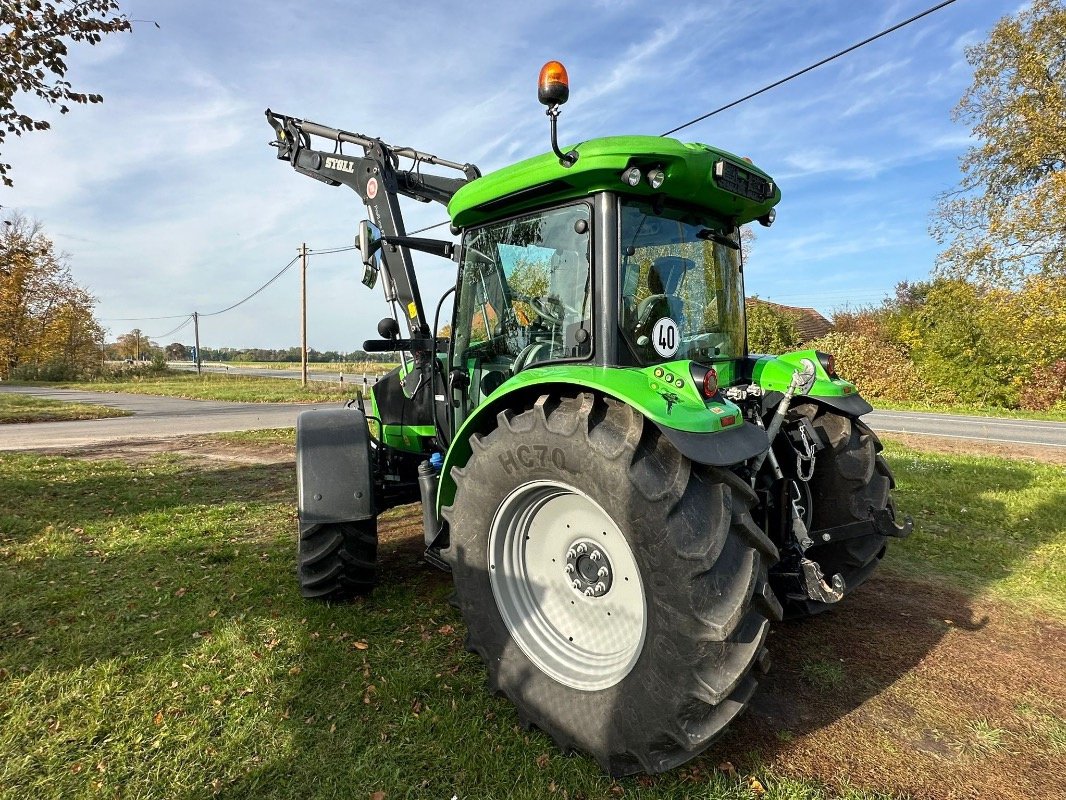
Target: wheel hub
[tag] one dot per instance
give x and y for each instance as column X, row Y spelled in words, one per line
column 588, row 569
column 577, row 614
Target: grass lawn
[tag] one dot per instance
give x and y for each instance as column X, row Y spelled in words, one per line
column 26, row 408
column 214, row 386
column 153, row 644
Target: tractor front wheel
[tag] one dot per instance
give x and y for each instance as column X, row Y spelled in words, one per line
column 616, row 591
column 338, row 561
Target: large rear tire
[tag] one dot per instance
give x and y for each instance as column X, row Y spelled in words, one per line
column 616, row 591
column 851, row 482
column 338, row 561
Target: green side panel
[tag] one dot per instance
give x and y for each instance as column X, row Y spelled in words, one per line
column 400, row 437
column 775, row 373
column 689, row 169
column 406, row 437
column 670, row 399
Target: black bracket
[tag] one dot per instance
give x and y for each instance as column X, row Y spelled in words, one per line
column 881, row 521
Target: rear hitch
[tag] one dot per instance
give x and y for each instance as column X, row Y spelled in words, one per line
column 817, row 588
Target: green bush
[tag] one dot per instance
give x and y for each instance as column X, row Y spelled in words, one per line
column 880, row 369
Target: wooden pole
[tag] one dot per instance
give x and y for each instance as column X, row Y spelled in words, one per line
column 196, row 329
column 303, row 313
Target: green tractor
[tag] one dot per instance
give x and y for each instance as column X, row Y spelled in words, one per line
column 625, row 497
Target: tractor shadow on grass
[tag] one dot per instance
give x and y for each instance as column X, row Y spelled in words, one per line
column 827, row 666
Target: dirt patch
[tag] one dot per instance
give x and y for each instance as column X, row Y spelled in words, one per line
column 202, row 449
column 929, row 692
column 969, row 447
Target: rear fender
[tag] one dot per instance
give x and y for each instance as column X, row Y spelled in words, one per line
column 334, row 477
column 694, row 430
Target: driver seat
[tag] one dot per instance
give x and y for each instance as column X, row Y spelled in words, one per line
column 664, row 279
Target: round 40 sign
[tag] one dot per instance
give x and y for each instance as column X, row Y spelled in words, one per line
column 664, row 337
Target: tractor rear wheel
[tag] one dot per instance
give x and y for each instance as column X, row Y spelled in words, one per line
column 338, row 561
column 617, row 592
column 851, row 482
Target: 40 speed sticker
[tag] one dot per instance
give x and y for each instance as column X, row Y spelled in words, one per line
column 664, row 337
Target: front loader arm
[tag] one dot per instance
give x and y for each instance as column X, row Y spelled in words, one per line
column 375, row 176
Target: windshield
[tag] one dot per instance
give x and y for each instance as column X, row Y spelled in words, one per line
column 682, row 295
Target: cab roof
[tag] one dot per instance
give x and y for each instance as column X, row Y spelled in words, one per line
column 698, row 176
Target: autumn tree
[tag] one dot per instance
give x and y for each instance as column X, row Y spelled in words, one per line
column 34, row 35
column 135, row 345
column 1007, row 218
column 46, row 319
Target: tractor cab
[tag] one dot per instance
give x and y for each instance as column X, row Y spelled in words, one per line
column 628, row 257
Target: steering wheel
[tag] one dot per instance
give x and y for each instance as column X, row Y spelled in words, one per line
column 554, row 313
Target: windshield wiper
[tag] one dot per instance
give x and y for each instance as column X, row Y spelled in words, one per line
column 718, row 238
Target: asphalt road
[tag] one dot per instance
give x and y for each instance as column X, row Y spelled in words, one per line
column 153, row 418
column 162, row 417
column 956, row 426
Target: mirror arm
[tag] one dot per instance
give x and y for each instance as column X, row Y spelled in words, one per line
column 437, row 247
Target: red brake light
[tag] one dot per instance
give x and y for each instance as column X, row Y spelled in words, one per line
column 710, row 383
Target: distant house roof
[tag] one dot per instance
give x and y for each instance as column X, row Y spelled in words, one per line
column 809, row 323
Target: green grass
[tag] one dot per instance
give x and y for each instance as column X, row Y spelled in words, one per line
column 984, row 523
column 270, row 436
column 153, row 643
column 26, row 408
column 1053, row 415
column 213, row 386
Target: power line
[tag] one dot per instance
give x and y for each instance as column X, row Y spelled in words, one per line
column 429, row 227
column 257, row 291
column 185, row 324
column 775, row 84
column 140, row 319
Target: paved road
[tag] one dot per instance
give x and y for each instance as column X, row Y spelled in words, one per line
column 957, row 426
column 160, row 417
column 153, row 418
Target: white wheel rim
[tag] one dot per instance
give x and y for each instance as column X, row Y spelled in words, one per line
column 588, row 637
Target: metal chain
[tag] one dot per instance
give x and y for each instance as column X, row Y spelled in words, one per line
column 806, row 456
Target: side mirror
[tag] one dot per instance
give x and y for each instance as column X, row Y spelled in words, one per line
column 369, row 244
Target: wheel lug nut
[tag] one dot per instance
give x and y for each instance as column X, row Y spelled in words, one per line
column 595, row 555
column 590, row 592
column 570, row 554
column 582, row 549
column 569, row 569
column 576, row 584
column 600, row 587
column 603, row 572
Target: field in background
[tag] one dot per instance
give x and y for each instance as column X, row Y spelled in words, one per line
column 154, row 644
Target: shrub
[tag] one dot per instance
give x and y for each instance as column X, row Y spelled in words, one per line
column 881, row 370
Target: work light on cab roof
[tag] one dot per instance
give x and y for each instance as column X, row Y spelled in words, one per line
column 553, row 89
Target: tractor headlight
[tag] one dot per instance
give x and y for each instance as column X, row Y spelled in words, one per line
column 631, row 176
column 656, row 177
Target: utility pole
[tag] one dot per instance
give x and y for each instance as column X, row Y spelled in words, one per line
column 303, row 313
column 196, row 328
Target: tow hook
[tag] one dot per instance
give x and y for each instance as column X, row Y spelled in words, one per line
column 817, row 588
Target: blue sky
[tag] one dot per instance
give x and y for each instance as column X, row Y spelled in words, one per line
column 168, row 199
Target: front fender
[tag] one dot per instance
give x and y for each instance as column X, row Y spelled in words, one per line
column 334, row 478
column 774, row 373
